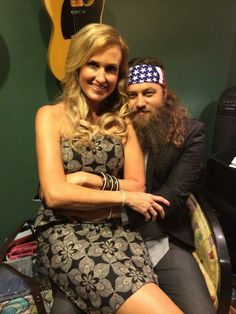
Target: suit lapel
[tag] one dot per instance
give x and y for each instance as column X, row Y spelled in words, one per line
column 149, row 172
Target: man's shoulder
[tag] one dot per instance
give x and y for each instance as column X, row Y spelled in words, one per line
column 194, row 123
column 194, row 126
column 195, row 131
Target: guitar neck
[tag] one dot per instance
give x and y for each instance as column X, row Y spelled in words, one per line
column 68, row 17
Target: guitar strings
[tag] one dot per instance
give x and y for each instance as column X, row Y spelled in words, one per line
column 78, row 19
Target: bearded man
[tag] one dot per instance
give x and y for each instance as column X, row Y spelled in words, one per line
column 173, row 145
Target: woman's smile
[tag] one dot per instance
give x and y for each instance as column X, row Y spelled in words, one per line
column 99, row 88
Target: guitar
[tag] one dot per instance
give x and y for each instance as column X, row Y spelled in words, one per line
column 68, row 17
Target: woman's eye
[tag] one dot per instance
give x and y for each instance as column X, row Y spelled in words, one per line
column 92, row 64
column 111, row 69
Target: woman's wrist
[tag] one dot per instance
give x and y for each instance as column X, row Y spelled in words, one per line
column 123, row 200
column 109, row 182
column 85, row 179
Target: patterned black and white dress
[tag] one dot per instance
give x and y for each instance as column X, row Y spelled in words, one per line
column 97, row 265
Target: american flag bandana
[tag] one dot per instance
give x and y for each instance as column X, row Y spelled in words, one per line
column 145, row 73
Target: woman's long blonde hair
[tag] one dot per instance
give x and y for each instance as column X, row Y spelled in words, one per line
column 84, row 44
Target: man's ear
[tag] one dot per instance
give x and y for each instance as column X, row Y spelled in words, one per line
column 165, row 92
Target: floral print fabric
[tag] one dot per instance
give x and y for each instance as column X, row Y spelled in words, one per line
column 97, row 265
column 105, row 153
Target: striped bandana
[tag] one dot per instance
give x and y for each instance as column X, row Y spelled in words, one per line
column 145, row 73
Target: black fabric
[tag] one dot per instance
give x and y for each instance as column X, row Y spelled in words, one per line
column 173, row 174
column 220, row 179
column 62, row 304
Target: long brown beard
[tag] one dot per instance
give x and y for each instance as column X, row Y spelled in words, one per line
column 152, row 133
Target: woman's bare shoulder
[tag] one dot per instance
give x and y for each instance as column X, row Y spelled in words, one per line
column 53, row 111
column 57, row 108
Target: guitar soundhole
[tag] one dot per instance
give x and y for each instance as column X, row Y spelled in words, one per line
column 74, row 18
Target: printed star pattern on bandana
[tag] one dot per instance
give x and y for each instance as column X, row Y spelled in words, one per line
column 145, row 73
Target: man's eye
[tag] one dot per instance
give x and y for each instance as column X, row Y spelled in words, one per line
column 131, row 96
column 149, row 93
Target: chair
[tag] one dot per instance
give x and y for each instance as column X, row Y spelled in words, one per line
column 211, row 251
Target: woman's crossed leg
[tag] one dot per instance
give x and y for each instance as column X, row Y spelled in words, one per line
column 149, row 299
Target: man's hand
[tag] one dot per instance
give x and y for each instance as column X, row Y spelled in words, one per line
column 149, row 205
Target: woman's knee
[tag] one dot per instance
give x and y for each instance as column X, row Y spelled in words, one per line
column 149, row 299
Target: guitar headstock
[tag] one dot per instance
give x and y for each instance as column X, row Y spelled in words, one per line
column 81, row 3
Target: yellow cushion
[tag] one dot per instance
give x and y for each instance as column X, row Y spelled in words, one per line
column 206, row 252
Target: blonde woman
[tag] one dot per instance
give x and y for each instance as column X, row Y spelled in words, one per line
column 82, row 141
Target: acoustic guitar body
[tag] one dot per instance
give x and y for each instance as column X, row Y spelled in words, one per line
column 68, row 17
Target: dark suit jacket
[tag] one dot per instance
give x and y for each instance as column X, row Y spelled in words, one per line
column 173, row 174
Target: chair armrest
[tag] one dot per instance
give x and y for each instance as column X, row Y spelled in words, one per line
column 225, row 284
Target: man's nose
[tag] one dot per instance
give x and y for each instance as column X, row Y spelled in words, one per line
column 140, row 103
